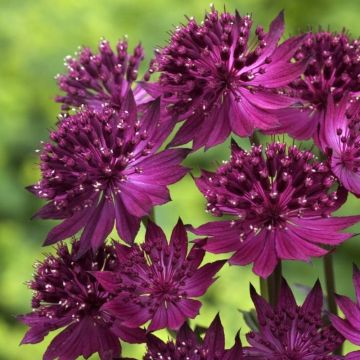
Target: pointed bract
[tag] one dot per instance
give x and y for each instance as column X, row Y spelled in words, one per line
column 349, row 327
column 189, row 346
column 157, row 281
column 288, row 331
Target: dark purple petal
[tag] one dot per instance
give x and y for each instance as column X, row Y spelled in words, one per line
column 127, row 225
column 98, row 227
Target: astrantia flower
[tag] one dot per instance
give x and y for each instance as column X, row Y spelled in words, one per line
column 292, row 332
column 98, row 79
column 350, row 326
column 213, row 76
column 282, row 203
column 189, row 346
column 101, row 166
column 333, row 68
column 158, row 281
column 341, row 140
column 67, row 296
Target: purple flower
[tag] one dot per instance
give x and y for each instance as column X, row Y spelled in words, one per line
column 350, row 326
column 333, row 68
column 282, row 204
column 289, row 331
column 101, row 166
column 157, row 281
column 189, row 346
column 67, row 296
column 219, row 81
column 98, row 79
column 341, row 140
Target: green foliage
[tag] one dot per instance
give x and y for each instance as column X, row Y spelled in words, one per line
column 34, row 38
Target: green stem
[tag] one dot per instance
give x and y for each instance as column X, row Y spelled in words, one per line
column 274, row 284
column 330, row 289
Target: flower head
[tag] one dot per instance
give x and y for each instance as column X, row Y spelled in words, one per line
column 282, row 204
column 157, row 280
column 189, row 346
column 98, row 79
column 333, row 68
column 341, row 140
column 102, row 165
column 67, row 296
column 350, row 326
column 215, row 78
column 292, row 332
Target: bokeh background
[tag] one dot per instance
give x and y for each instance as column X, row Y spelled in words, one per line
column 34, row 38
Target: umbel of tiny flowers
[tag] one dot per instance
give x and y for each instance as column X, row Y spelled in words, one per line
column 219, row 81
column 281, row 203
column 189, row 345
column 341, row 140
column 350, row 326
column 288, row 331
column 333, row 68
column 98, row 79
column 67, row 296
column 101, row 166
column 157, row 281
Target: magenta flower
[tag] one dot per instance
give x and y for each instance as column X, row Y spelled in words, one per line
column 341, row 140
column 216, row 79
column 350, row 326
column 189, row 346
column 281, row 203
column 100, row 79
column 289, row 331
column 333, row 68
column 158, row 281
column 67, row 296
column 102, row 166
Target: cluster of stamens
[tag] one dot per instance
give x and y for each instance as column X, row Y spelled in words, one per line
column 266, row 192
column 333, row 67
column 97, row 79
column 89, row 153
column 64, row 288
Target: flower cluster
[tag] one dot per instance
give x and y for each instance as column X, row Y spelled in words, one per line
column 106, row 166
column 333, row 67
column 157, row 281
column 98, row 79
column 213, row 76
column 66, row 294
column 281, row 203
column 103, row 165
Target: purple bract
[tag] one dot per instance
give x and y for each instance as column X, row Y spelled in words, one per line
column 350, row 326
column 282, row 204
column 218, row 81
column 158, row 280
column 67, row 295
column 102, row 166
column 341, row 139
column 292, row 332
column 189, row 346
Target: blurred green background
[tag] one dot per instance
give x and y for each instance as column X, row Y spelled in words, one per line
column 34, row 38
